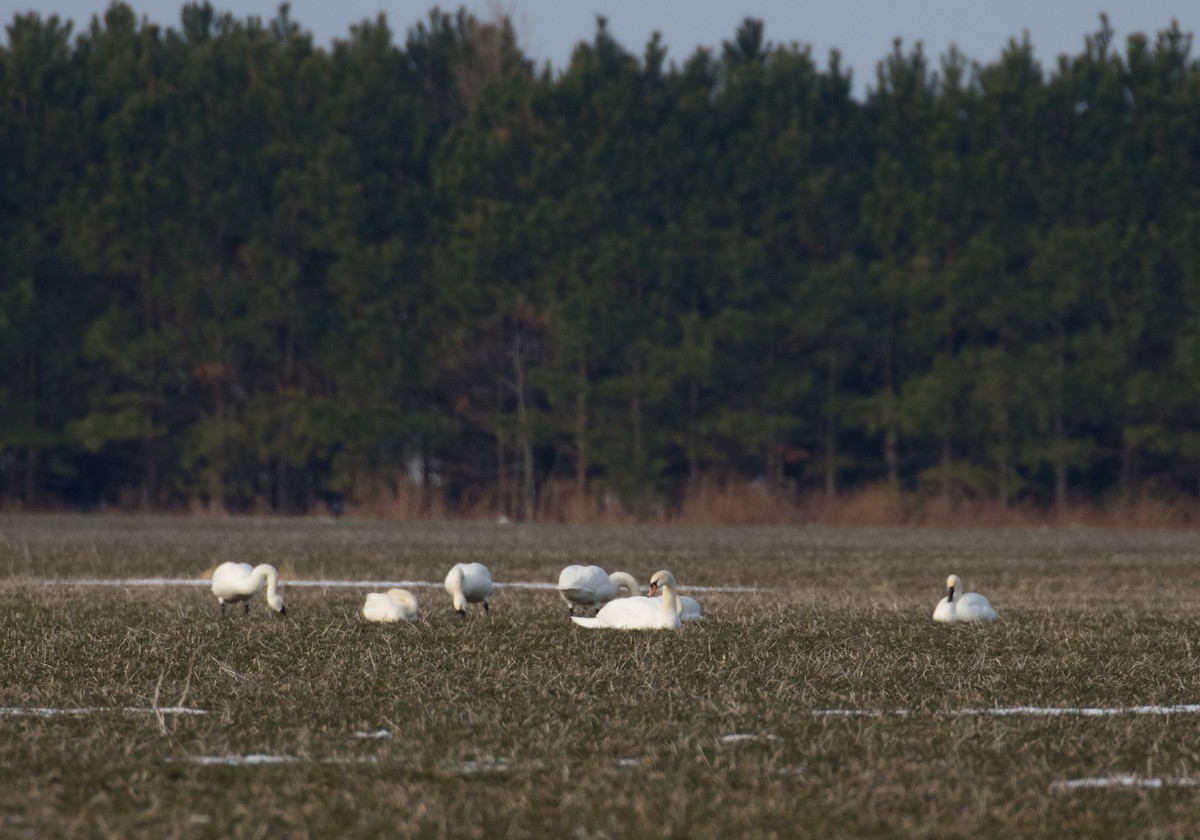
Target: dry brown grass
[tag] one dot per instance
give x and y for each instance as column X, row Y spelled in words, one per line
column 522, row 725
column 742, row 503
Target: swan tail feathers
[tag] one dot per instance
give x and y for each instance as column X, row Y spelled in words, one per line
column 584, row 621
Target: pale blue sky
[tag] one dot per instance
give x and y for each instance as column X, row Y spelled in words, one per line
column 863, row 30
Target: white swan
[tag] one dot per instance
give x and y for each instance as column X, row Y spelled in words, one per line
column 689, row 608
column 233, row 582
column 393, row 605
column 962, row 606
column 469, row 583
column 590, row 586
column 640, row 612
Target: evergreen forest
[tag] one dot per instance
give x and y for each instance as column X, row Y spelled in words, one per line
column 244, row 272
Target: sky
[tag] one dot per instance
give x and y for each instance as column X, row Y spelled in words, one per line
column 862, row 30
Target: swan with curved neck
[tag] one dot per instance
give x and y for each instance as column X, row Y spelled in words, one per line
column 962, row 606
column 591, row 586
column 393, row 605
column 469, row 583
column 234, row 582
column 640, row 612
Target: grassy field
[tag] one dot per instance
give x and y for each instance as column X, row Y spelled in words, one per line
column 826, row 705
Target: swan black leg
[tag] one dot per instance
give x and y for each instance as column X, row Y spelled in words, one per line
column 246, row 608
column 222, row 609
column 485, row 606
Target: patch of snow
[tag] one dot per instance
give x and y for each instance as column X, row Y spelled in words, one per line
column 1123, row 780
column 351, row 584
column 33, row 711
column 378, row 733
column 1032, row 711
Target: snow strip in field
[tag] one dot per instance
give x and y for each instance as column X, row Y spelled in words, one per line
column 1033, row 711
column 485, row 764
column 739, row 737
column 1125, row 781
column 260, row 759
column 25, row 711
column 378, row 733
column 352, row 584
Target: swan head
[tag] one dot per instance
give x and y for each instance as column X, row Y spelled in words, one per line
column 276, row 603
column 661, row 580
column 953, row 584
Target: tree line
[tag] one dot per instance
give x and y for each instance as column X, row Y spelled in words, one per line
column 244, row 271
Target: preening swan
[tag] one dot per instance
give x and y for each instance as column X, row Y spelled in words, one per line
column 393, row 605
column 591, row 586
column 640, row 612
column 233, row 582
column 962, row 606
column 469, row 583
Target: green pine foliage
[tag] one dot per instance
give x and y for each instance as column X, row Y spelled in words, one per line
column 246, row 272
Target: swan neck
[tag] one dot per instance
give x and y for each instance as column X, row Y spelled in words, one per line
column 671, row 602
column 270, row 575
column 454, row 583
column 624, row 579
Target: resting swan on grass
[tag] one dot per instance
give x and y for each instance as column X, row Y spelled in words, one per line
column 233, row 582
column 640, row 612
column 962, row 606
column 393, row 605
column 689, row 608
column 469, row 583
column 591, row 586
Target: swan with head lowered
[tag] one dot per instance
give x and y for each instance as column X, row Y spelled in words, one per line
column 962, row 606
column 393, row 605
column 640, row 612
column 469, row 583
column 234, row 582
column 591, row 586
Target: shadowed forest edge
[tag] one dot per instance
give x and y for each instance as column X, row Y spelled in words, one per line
column 243, row 273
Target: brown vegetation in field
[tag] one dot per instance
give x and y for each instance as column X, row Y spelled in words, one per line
column 754, row 503
column 520, row 724
column 735, row 503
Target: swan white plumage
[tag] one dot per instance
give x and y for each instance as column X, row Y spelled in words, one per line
column 469, row 583
column 233, row 582
column 962, row 606
column 591, row 586
column 640, row 612
column 689, row 608
column 393, row 605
